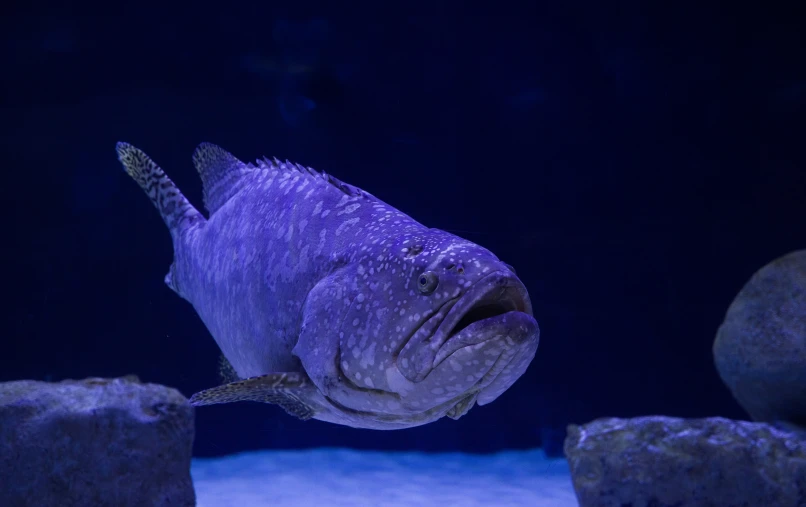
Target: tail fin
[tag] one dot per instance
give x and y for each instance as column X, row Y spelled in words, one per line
column 175, row 209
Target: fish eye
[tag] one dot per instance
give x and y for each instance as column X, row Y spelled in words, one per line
column 427, row 282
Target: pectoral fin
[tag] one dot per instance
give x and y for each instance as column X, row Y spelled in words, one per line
column 463, row 406
column 294, row 392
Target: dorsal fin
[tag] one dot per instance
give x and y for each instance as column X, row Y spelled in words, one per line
column 278, row 165
column 221, row 173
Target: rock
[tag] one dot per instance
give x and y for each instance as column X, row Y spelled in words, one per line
column 94, row 442
column 760, row 349
column 664, row 461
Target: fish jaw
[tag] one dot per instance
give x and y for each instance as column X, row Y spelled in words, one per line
column 488, row 301
column 504, row 345
column 476, row 365
column 476, row 346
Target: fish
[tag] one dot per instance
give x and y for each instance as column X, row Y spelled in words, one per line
column 332, row 304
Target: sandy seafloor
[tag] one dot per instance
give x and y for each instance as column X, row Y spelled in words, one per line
column 341, row 477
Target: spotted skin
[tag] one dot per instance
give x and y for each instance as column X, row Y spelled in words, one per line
column 332, row 303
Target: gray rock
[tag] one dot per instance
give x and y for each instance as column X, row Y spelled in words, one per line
column 94, row 443
column 760, row 348
column 661, row 461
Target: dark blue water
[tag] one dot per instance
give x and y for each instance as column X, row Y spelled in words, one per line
column 634, row 163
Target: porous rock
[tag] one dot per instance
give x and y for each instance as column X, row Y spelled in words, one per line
column 658, row 461
column 760, row 348
column 94, row 442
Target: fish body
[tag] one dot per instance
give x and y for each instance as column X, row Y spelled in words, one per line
column 333, row 304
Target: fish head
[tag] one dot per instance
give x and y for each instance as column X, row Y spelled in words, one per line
column 434, row 322
column 478, row 334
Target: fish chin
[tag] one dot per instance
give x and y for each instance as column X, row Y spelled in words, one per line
column 491, row 353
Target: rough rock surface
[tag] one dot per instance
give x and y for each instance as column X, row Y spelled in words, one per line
column 94, row 442
column 760, row 349
column 663, row 461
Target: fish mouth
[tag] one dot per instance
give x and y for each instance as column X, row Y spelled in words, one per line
column 489, row 306
column 488, row 302
column 494, row 295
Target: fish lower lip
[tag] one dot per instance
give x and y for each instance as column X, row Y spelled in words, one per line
column 517, row 325
column 513, row 337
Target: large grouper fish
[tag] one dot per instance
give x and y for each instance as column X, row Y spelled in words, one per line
column 333, row 304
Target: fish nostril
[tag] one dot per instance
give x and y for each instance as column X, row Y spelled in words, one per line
column 459, row 268
column 413, row 251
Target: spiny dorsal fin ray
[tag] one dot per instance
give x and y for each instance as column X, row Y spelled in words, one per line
column 278, row 165
column 294, row 392
column 221, row 173
column 175, row 209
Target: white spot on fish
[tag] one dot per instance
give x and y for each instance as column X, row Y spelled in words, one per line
column 349, row 209
column 345, row 224
column 368, row 356
column 287, row 190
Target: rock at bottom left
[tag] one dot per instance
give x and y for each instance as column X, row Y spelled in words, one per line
column 95, row 442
